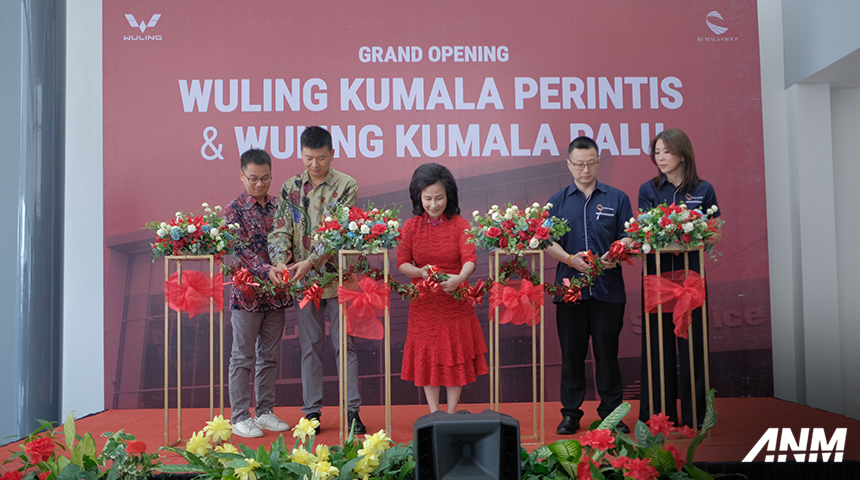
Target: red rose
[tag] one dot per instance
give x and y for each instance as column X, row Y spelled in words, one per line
column 542, row 233
column 356, row 214
column 508, row 224
column 136, row 446
column 599, row 439
column 503, row 242
column 686, row 238
column 494, row 232
column 522, row 235
column 659, row 423
column 39, row 449
column 13, row 475
column 533, row 224
column 665, row 222
column 378, row 229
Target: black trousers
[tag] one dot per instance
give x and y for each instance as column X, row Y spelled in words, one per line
column 602, row 322
column 676, row 385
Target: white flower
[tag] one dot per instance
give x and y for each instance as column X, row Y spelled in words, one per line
column 688, row 227
column 327, row 219
column 161, row 233
column 393, row 224
column 353, row 226
column 374, row 211
column 712, row 210
column 345, row 208
column 646, row 228
column 220, row 245
column 547, row 206
column 213, row 232
column 646, row 248
column 632, row 219
column 476, row 214
column 365, row 229
column 536, row 205
column 208, row 210
column 163, row 225
column 217, row 208
column 496, row 217
column 626, row 224
column 192, row 228
column 534, row 242
column 494, row 207
column 204, row 205
column 316, row 237
column 178, row 214
column 508, row 216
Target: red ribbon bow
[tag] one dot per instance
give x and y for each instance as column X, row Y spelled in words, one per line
column 474, row 294
column 621, row 252
column 361, row 316
column 193, row 294
column 689, row 295
column 571, row 294
column 312, row 294
column 521, row 305
column 427, row 286
column 243, row 280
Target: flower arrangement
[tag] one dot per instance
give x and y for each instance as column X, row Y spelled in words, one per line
column 664, row 225
column 516, row 230
column 604, row 452
column 194, row 234
column 210, row 455
column 43, row 456
column 369, row 230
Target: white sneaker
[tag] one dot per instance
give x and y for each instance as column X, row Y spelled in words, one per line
column 247, row 428
column 268, row 421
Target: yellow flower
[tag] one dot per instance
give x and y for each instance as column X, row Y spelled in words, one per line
column 367, row 465
column 325, row 470
column 300, row 455
column 247, row 473
column 198, row 444
column 323, row 453
column 218, row 429
column 377, row 443
column 227, row 448
column 305, row 428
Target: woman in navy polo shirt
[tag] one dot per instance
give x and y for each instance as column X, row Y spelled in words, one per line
column 676, row 182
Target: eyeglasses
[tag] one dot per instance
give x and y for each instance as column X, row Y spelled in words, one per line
column 253, row 180
column 581, row 166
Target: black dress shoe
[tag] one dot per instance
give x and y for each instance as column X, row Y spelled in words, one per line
column 568, row 426
column 622, row 427
column 354, row 422
column 315, row 416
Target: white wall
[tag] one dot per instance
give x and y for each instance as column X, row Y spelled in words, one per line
column 83, row 296
column 817, row 34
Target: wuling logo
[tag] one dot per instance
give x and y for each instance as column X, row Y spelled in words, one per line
column 142, row 26
column 788, row 442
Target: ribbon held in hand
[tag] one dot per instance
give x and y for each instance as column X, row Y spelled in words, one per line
column 520, row 305
column 621, row 252
column 572, row 294
column 475, row 294
column 687, row 296
column 312, row 294
column 243, row 280
column 193, row 294
column 361, row 317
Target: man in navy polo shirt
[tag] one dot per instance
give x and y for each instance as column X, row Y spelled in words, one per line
column 595, row 213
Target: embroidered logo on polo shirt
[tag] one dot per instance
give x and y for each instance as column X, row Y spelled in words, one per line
column 604, row 211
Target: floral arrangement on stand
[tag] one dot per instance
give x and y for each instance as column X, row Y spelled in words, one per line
column 369, row 230
column 48, row 454
column 665, row 225
column 515, row 230
column 604, row 452
column 194, row 234
column 210, row 454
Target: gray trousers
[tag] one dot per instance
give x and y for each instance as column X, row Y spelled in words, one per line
column 257, row 333
column 311, row 336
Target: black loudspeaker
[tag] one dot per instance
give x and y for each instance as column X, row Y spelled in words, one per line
column 477, row 446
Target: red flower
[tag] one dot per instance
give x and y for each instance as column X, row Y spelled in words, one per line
column 44, row 475
column 13, row 475
column 687, row 431
column 503, row 242
column 40, row 449
column 599, row 439
column 378, row 229
column 677, row 455
column 659, row 423
column 534, row 223
column 508, row 224
column 542, row 233
column 356, row 214
column 136, row 446
column 640, row 469
column 620, row 463
column 522, row 235
column 583, row 469
column 494, row 232
column 665, row 222
column 686, row 238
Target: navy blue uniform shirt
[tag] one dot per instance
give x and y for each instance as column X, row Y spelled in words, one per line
column 595, row 223
column 701, row 197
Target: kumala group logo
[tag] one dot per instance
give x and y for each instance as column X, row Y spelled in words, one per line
column 142, row 25
column 714, row 21
column 820, row 445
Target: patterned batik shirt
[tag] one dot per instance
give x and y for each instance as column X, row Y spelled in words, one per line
column 301, row 210
column 255, row 223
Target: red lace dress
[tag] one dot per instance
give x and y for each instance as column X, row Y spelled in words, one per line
column 444, row 342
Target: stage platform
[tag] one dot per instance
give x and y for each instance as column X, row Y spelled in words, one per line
column 742, row 421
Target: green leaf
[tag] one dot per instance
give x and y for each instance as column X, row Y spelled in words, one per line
column 185, row 468
column 710, row 411
column 692, row 450
column 596, row 474
column 62, row 463
column 346, row 470
column 89, row 446
column 566, row 449
column 642, row 432
column 113, row 473
column 297, row 468
column 616, row 416
column 542, row 452
column 237, row 463
column 69, row 432
column 665, row 462
column 697, row 473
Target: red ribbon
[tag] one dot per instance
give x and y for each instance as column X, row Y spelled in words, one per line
column 243, row 280
column 312, row 294
column 520, row 305
column 474, row 294
column 571, row 294
column 361, row 316
column 427, row 286
column 621, row 252
column 193, row 294
column 689, row 295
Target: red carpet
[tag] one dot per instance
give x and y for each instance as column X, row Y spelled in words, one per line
column 742, row 421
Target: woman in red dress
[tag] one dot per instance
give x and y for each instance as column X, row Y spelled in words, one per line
column 444, row 342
